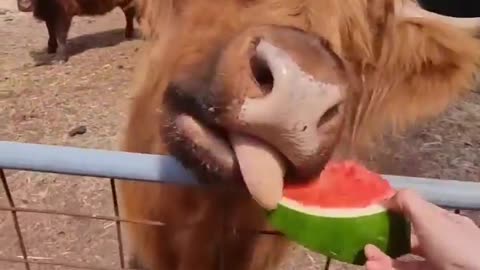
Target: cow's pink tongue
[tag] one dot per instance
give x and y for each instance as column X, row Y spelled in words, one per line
column 262, row 170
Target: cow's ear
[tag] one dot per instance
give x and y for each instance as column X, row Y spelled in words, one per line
column 421, row 66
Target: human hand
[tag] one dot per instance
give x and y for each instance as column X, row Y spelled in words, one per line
column 443, row 239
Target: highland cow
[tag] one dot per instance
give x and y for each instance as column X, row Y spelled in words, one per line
column 303, row 82
column 58, row 15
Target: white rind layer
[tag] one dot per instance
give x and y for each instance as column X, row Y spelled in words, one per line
column 332, row 212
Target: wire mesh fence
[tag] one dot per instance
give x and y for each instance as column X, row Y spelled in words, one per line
column 115, row 165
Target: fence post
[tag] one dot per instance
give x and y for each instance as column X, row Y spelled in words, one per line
column 11, row 203
column 118, row 223
column 327, row 263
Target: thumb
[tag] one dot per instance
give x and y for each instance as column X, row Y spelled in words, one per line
column 412, row 205
column 377, row 260
column 411, row 265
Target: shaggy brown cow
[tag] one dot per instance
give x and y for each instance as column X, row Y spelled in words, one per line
column 58, row 15
column 314, row 79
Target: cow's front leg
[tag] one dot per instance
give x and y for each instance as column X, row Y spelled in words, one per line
column 62, row 26
column 52, row 36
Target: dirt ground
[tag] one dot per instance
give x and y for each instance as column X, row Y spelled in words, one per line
column 42, row 103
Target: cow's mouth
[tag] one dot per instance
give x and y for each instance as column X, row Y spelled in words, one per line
column 206, row 149
column 196, row 135
column 218, row 145
column 223, row 157
column 272, row 111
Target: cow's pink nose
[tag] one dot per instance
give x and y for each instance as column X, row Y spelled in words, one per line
column 287, row 88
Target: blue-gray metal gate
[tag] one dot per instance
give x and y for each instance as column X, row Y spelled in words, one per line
column 452, row 194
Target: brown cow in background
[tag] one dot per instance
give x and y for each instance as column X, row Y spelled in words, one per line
column 58, row 14
column 226, row 69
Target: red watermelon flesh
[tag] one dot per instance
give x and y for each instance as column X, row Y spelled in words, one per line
column 344, row 184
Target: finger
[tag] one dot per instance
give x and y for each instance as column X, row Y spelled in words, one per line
column 459, row 219
column 376, row 259
column 397, row 265
column 410, row 265
column 374, row 253
column 467, row 221
column 415, row 245
column 374, row 265
column 414, row 207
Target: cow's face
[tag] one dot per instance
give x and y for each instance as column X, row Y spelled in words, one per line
column 241, row 87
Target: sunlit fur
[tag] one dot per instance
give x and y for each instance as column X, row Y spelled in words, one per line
column 410, row 70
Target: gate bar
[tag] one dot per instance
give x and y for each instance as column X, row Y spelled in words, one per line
column 165, row 169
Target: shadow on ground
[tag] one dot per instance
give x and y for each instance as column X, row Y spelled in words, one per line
column 80, row 44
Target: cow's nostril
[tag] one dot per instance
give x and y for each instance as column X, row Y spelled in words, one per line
column 329, row 115
column 261, row 73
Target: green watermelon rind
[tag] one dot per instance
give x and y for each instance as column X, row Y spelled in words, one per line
column 343, row 236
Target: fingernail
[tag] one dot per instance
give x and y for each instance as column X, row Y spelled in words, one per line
column 371, row 251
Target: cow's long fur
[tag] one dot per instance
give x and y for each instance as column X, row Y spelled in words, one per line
column 58, row 14
column 410, row 70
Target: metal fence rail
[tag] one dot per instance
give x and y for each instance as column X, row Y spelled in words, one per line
column 112, row 165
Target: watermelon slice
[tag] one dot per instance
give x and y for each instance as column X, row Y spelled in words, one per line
column 341, row 212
